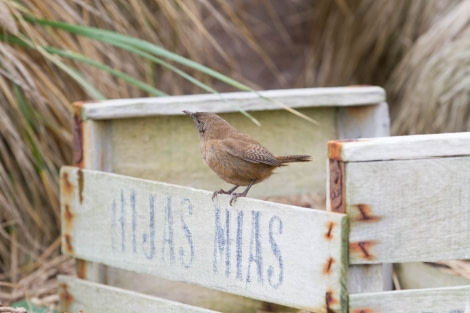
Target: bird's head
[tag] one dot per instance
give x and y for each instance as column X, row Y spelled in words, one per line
column 199, row 119
column 209, row 125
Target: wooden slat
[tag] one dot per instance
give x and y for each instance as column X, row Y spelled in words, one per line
column 278, row 253
column 363, row 121
column 92, row 150
column 401, row 147
column 436, row 300
column 359, row 122
column 418, row 275
column 78, row 295
column 232, row 102
column 408, row 210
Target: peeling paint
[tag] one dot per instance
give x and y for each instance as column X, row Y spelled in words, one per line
column 81, row 269
column 336, row 182
column 77, row 143
column 362, row 310
column 68, row 217
column 80, row 185
column 65, row 297
column 68, row 243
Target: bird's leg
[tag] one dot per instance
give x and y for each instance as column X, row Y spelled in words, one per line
column 228, row 192
column 242, row 194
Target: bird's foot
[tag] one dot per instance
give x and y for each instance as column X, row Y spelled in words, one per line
column 241, row 194
column 221, row 191
column 235, row 196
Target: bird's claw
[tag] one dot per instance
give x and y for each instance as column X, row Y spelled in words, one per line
column 235, row 196
column 215, row 194
column 221, row 191
column 228, row 192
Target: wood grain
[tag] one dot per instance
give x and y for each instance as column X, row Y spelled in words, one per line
column 78, row 295
column 408, row 210
column 401, row 147
column 435, row 300
column 233, row 102
column 267, row 251
column 365, row 121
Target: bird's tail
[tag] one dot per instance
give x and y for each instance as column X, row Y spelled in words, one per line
column 293, row 158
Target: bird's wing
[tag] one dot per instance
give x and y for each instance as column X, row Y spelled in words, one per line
column 250, row 151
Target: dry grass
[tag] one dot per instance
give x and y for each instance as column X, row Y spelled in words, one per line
column 430, row 86
column 417, row 49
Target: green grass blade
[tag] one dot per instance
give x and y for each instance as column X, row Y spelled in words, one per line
column 74, row 56
column 112, row 37
column 78, row 57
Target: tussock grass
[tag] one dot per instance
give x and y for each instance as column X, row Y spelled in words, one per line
column 55, row 52
column 430, row 86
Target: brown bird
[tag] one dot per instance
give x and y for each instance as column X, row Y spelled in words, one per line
column 235, row 157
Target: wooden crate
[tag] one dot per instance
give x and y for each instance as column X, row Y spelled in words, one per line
column 106, row 216
column 391, row 199
column 407, row 200
column 399, row 199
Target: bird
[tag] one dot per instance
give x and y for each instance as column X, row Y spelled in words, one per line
column 234, row 156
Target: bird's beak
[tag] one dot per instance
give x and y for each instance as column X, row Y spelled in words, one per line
column 189, row 113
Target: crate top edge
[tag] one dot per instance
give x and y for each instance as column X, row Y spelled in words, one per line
column 400, row 147
column 231, row 102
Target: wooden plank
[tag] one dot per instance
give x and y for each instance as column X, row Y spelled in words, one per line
column 92, row 149
column 190, row 294
column 278, row 253
column 232, row 102
column 352, row 123
column 401, row 147
column 363, row 121
column 369, row 278
column 419, row 275
column 435, row 300
column 78, row 295
column 408, row 210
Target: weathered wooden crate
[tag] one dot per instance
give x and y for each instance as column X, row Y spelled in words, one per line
column 141, row 222
column 407, row 200
column 395, row 199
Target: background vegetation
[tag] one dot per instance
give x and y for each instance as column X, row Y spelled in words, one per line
column 418, row 50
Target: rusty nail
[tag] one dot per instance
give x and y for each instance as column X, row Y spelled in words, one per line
column 329, row 301
column 330, row 226
column 363, row 248
column 328, row 264
column 65, row 296
column 77, row 141
column 68, row 243
column 365, row 213
column 80, row 184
